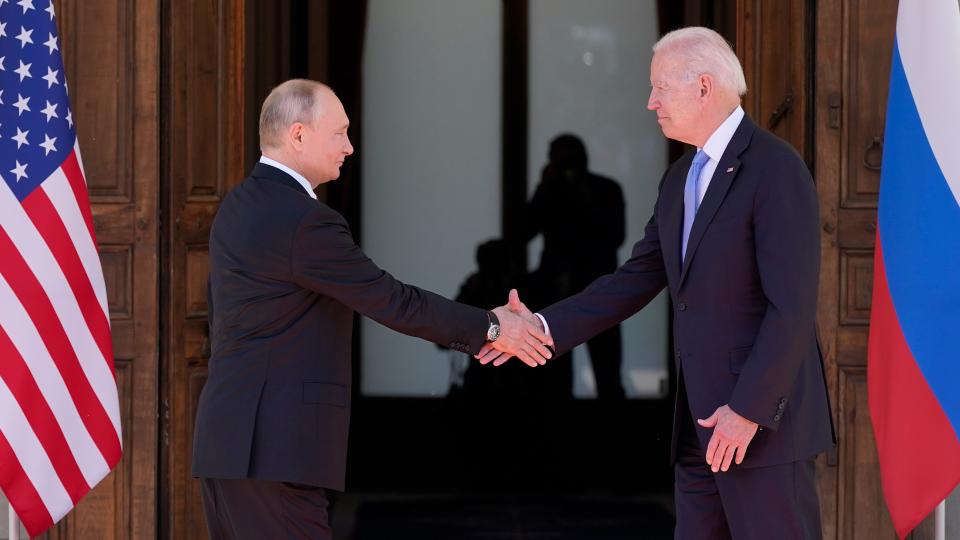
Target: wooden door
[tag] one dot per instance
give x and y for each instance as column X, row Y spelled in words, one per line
column 818, row 73
column 853, row 55
column 204, row 155
column 773, row 43
column 112, row 70
column 223, row 58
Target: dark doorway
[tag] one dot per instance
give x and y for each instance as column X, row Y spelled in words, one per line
column 408, row 447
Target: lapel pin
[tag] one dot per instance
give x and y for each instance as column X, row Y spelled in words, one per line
column 730, row 170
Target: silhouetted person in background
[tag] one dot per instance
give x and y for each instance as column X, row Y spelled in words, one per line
column 497, row 273
column 581, row 217
column 497, row 407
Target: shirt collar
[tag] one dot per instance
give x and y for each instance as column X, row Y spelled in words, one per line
column 296, row 176
column 717, row 143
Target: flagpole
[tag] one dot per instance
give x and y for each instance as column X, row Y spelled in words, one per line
column 940, row 521
column 14, row 524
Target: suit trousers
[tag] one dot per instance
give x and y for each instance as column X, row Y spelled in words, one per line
column 779, row 501
column 253, row 509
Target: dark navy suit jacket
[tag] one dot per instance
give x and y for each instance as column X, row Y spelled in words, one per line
column 285, row 280
column 744, row 304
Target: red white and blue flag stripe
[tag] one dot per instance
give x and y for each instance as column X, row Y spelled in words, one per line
column 59, row 413
column 914, row 349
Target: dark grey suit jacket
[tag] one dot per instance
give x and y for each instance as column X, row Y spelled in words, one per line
column 285, row 280
column 744, row 302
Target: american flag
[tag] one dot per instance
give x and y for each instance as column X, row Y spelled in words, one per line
column 59, row 413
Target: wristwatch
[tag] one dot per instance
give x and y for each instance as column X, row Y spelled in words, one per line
column 493, row 331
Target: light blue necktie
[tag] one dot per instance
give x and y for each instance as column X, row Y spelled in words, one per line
column 690, row 202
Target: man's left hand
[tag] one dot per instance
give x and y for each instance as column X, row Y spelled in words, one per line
column 732, row 434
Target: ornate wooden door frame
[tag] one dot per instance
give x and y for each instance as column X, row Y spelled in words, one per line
column 818, row 72
column 111, row 58
column 204, row 102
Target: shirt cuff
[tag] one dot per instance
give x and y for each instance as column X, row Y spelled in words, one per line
column 546, row 327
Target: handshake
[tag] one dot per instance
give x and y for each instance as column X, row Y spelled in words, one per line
column 521, row 334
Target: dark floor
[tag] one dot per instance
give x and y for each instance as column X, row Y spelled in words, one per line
column 369, row 516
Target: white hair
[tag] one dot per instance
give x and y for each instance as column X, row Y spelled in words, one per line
column 292, row 101
column 704, row 51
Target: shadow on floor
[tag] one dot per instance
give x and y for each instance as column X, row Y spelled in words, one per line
column 503, row 517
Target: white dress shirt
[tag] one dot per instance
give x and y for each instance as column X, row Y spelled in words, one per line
column 714, row 148
column 296, row 176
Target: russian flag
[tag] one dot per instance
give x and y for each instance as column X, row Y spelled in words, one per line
column 914, row 350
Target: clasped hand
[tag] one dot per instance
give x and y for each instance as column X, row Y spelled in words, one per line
column 521, row 335
column 732, row 434
column 527, row 340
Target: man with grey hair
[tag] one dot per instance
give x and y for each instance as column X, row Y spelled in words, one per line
column 285, row 280
column 735, row 238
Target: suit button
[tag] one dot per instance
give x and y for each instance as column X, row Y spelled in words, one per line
column 776, row 418
column 682, row 306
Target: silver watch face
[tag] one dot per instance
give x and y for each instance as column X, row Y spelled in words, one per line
column 493, row 332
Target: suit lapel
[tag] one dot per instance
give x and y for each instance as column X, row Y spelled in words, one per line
column 671, row 218
column 723, row 177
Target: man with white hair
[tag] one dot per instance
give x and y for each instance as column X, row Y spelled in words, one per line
column 735, row 238
column 285, row 280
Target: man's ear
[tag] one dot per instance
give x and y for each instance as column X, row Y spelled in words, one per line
column 296, row 134
column 705, row 83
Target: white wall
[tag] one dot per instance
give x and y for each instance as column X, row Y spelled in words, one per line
column 431, row 164
column 590, row 75
column 431, row 153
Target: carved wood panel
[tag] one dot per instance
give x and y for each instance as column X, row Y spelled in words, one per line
column 856, row 286
column 867, row 45
column 111, row 63
column 772, row 42
column 117, row 262
column 197, row 269
column 100, row 514
column 98, row 47
column 194, row 512
column 862, row 513
column 854, row 41
column 206, row 146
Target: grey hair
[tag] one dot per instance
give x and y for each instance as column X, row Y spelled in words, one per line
column 704, row 51
column 291, row 101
